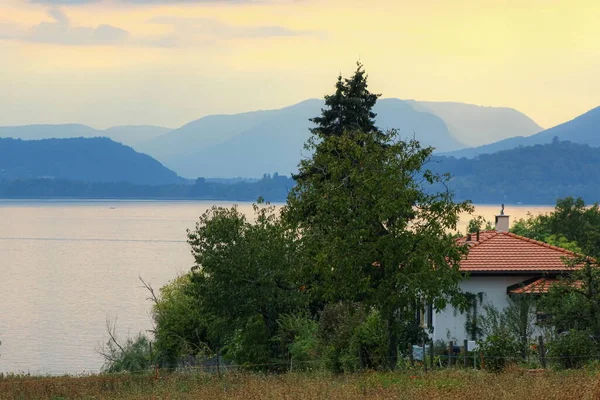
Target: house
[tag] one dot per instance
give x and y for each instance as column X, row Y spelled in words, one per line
column 499, row 264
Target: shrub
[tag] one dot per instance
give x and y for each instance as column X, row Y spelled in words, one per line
column 499, row 349
column 135, row 355
column 368, row 345
column 572, row 349
column 298, row 334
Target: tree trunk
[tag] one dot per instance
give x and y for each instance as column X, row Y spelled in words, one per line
column 392, row 350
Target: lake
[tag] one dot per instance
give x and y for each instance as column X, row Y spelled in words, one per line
column 69, row 266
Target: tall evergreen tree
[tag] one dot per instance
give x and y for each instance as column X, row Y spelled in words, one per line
column 349, row 108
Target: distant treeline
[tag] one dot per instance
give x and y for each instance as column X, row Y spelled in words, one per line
column 530, row 175
column 272, row 188
column 537, row 174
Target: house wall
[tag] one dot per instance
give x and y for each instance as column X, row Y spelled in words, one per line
column 449, row 324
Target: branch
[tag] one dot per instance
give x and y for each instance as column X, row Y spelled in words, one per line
column 111, row 333
column 149, row 288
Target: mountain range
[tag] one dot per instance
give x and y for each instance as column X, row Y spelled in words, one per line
column 584, row 129
column 250, row 144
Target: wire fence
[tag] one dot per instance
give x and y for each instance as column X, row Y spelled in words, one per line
column 426, row 357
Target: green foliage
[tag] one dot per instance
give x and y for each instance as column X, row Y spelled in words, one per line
column 572, row 225
column 244, row 279
column 349, row 108
column 337, row 324
column 370, row 231
column 574, row 303
column 560, row 240
column 530, row 175
column 250, row 345
column 520, row 319
column 572, row 349
column 135, row 355
column 533, row 227
column 499, row 349
column 508, row 333
column 472, row 321
column 369, row 342
column 298, row 333
column 478, row 223
column 351, row 337
column 181, row 329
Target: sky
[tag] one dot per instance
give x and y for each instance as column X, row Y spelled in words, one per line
column 167, row 62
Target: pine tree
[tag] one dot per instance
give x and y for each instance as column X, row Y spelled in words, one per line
column 349, row 108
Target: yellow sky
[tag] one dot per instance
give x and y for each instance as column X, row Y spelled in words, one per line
column 118, row 62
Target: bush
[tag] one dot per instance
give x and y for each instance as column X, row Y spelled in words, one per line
column 134, row 356
column 250, row 346
column 499, row 350
column 368, row 345
column 572, row 349
column 181, row 331
column 337, row 323
column 298, row 334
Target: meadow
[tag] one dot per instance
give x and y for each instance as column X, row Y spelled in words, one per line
column 447, row 384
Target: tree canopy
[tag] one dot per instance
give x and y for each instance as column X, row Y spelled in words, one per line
column 349, row 108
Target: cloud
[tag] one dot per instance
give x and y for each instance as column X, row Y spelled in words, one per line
column 141, row 2
column 61, row 31
column 183, row 32
column 213, row 29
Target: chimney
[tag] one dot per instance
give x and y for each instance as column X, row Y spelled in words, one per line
column 502, row 221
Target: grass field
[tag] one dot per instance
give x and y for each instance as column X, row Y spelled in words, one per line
column 447, row 385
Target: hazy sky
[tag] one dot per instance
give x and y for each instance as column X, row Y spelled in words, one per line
column 166, row 62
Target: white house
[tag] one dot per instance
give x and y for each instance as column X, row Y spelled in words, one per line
column 499, row 264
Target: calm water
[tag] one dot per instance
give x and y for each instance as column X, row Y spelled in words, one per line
column 68, row 267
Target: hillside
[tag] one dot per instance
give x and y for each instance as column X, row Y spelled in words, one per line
column 585, row 129
column 530, row 175
column 80, row 159
column 480, row 125
column 535, row 174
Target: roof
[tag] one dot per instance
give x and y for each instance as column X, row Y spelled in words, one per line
column 506, row 252
column 538, row 286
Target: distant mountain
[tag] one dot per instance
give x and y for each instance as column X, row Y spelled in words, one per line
column 203, row 133
column 251, row 144
column 584, row 129
column 129, row 135
column 134, row 135
column 480, row 125
column 80, row 159
column 35, row 132
column 534, row 174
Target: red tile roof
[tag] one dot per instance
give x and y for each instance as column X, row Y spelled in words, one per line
column 507, row 252
column 541, row 285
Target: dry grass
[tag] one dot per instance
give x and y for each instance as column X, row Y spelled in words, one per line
column 447, row 385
